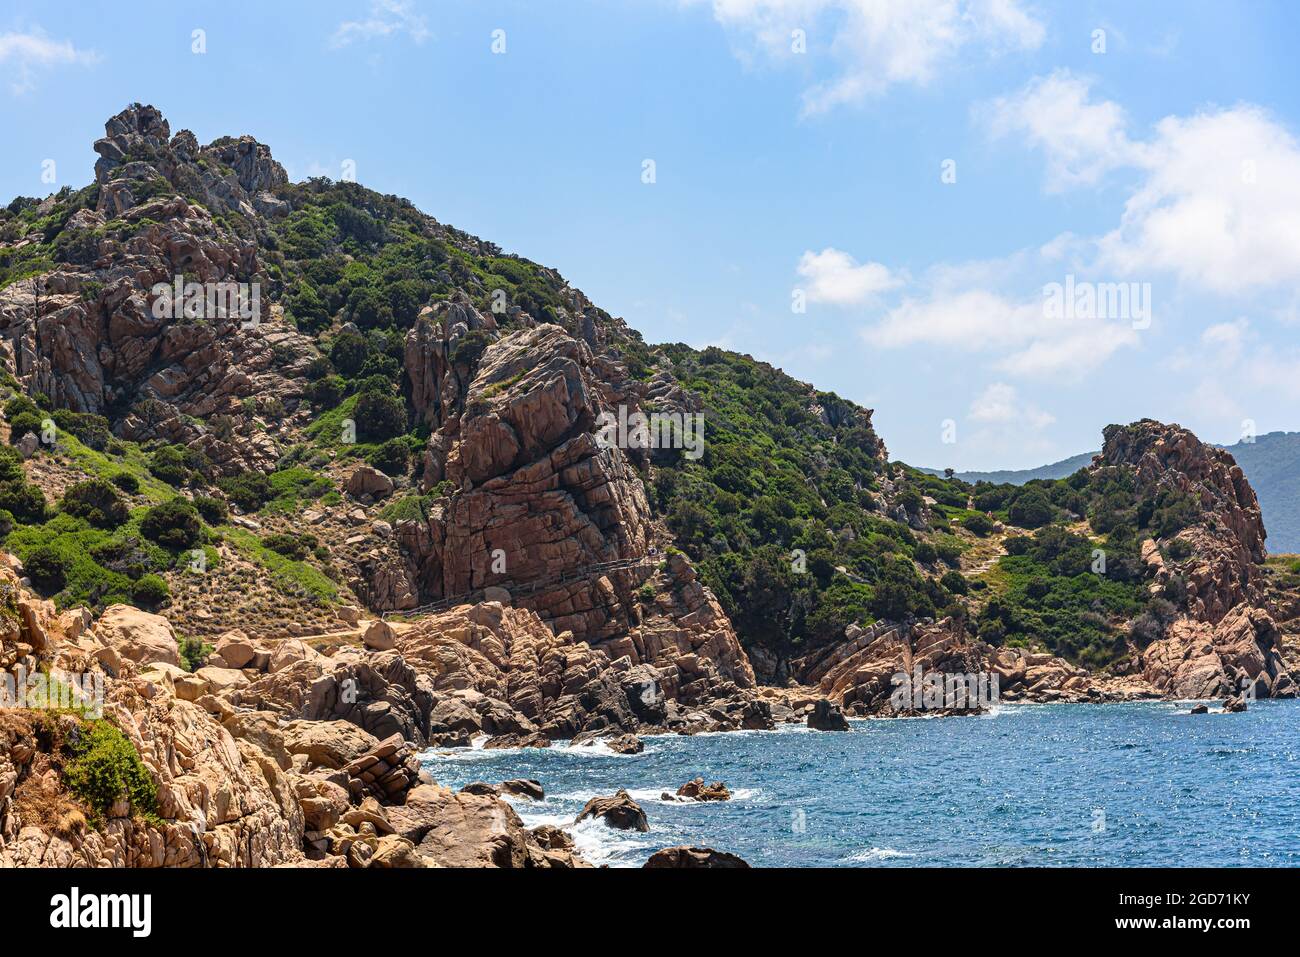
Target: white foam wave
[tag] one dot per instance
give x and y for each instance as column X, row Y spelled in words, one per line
column 878, row 854
column 596, row 841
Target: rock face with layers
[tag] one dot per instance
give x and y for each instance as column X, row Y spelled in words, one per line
column 237, row 787
column 87, row 333
column 1225, row 641
column 501, row 671
column 889, row 670
column 539, row 500
column 545, row 518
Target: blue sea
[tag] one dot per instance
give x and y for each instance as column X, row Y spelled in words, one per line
column 1079, row 785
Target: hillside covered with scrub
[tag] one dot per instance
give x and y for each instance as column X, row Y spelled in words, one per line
column 380, row 327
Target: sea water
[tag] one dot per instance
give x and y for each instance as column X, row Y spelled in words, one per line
column 1078, row 785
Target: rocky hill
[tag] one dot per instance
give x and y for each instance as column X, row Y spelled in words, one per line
column 1271, row 462
column 314, row 481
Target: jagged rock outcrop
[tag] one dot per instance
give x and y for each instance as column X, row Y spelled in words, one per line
column 88, row 334
column 236, row 788
column 545, row 518
column 1226, row 543
column 936, row 667
column 456, row 829
column 501, row 671
column 538, row 499
column 1225, row 642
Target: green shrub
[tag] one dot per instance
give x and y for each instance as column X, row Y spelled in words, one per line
column 150, row 591
column 24, row 501
column 11, row 465
column 24, row 423
column 6, row 522
column 348, row 352
column 193, row 652
column 90, row 429
column 127, row 482
column 1031, row 509
column 173, row 464
column 295, row 546
column 20, row 405
column 318, row 368
column 173, row 524
column 954, row 582
column 380, row 417
column 97, row 502
column 47, row 567
column 106, row 768
column 325, row 393
column 978, row 524
column 393, row 457
column 212, row 510
column 250, row 491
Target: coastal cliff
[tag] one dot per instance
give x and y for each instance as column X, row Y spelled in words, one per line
column 365, row 506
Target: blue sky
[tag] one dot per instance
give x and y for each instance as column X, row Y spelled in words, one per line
column 1170, row 160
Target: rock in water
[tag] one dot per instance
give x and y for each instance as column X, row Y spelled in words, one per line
column 524, row 787
column 694, row 857
column 619, row 811
column 697, row 790
column 826, row 716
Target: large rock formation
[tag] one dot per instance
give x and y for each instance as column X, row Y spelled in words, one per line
column 890, row 670
column 542, row 516
column 1225, row 641
column 502, row 671
column 302, row 782
column 87, row 334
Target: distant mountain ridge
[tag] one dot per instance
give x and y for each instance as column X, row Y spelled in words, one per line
column 1271, row 464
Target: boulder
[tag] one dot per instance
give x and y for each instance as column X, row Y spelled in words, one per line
column 694, row 857
column 221, row 680
column 367, row 480
column 826, row 716
column 235, row 649
column 138, row 635
column 524, row 787
column 327, row 744
column 697, row 790
column 380, row 636
column 618, row 810
column 450, row 829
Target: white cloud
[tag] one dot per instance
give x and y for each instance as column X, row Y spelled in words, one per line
column 1000, row 404
column 1218, row 199
column 835, row 277
column 1229, row 375
column 1071, row 353
column 1081, row 140
column 1031, row 345
column 1225, row 339
column 386, row 18
column 1220, row 205
column 23, row 54
column 970, row 320
column 880, row 43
